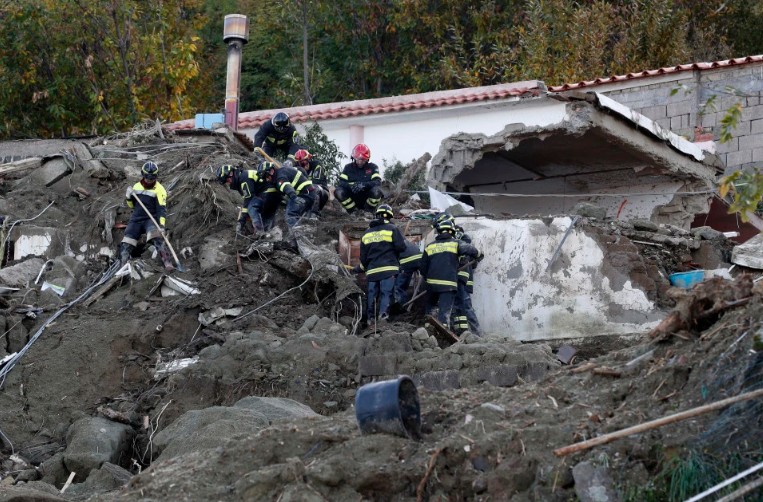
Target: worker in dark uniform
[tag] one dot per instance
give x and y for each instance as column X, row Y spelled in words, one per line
column 261, row 198
column 359, row 185
column 410, row 263
column 154, row 197
column 293, row 183
column 439, row 266
column 318, row 175
column 380, row 248
column 464, row 317
column 278, row 135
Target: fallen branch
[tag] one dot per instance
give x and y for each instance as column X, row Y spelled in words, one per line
column 604, row 371
column 608, row 438
column 423, row 482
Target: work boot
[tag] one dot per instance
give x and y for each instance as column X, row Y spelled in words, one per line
column 125, row 252
column 164, row 254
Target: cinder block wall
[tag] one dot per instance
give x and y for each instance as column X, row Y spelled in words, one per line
column 684, row 112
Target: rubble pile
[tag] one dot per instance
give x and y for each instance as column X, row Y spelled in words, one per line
column 236, row 380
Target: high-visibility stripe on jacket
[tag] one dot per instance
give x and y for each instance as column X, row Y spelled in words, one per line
column 249, row 184
column 380, row 248
column 439, row 265
column 292, row 180
column 267, row 133
column 155, row 200
column 410, row 259
column 352, row 173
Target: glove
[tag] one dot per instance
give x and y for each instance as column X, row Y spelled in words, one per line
column 480, row 257
column 129, row 193
column 356, row 269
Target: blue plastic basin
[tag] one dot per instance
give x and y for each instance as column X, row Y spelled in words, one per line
column 686, row 280
column 391, row 406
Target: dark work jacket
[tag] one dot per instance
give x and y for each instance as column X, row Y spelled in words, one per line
column 317, row 173
column 267, row 133
column 380, row 248
column 292, row 180
column 249, row 184
column 466, row 271
column 410, row 259
column 440, row 262
column 155, row 200
column 352, row 174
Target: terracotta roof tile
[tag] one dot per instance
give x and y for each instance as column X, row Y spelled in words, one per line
column 247, row 120
column 660, row 71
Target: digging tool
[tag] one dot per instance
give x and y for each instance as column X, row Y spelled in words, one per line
column 180, row 266
column 564, row 238
column 268, row 157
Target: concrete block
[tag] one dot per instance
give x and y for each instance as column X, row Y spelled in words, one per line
column 676, row 123
column 756, row 126
column 750, row 142
column 730, row 146
column 738, row 158
column 752, row 112
column 757, row 155
column 655, row 112
column 684, row 107
column 17, row 276
column 438, row 380
column 377, row 365
column 50, row 173
column 37, row 241
column 664, row 123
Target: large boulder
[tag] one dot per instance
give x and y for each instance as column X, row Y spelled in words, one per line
column 91, row 442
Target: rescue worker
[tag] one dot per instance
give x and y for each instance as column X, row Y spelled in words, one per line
column 294, row 183
column 278, row 134
column 154, row 197
column 318, row 175
column 410, row 263
column 464, row 317
column 359, row 185
column 380, row 248
column 261, row 198
column 439, row 265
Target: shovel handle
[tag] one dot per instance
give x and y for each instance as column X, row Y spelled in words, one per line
column 268, row 157
column 161, row 232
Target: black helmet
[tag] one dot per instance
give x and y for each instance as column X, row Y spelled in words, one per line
column 445, row 226
column 223, row 172
column 150, row 171
column 264, row 167
column 443, row 217
column 280, row 121
column 385, row 211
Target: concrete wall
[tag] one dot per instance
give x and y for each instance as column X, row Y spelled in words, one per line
column 682, row 112
column 406, row 136
column 515, row 295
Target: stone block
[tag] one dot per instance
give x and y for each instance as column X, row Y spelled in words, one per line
column 93, row 441
column 438, row 380
column 50, row 173
column 377, row 365
column 37, row 241
column 655, row 112
column 500, row 375
column 756, row 126
column 738, row 158
column 594, row 483
column 750, row 142
column 19, row 275
column 752, row 113
column 684, row 107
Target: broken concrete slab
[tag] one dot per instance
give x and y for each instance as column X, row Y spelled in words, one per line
column 21, row 274
column 47, row 242
column 749, row 254
column 594, row 483
column 51, row 172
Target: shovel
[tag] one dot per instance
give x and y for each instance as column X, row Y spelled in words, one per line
column 268, row 157
column 180, row 266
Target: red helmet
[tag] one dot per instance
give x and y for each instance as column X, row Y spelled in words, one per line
column 303, row 156
column 361, row 152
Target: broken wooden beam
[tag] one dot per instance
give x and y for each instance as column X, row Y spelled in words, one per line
column 653, row 424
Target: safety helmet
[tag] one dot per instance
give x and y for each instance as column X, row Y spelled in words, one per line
column 361, row 152
column 287, row 163
column 280, row 121
column 442, row 217
column 150, row 171
column 265, row 167
column 223, row 172
column 446, row 226
column 303, row 156
column 385, row 211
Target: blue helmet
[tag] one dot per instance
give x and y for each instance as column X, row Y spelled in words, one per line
column 150, row 171
column 223, row 172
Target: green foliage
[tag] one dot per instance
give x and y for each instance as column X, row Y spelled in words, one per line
column 323, row 149
column 746, row 190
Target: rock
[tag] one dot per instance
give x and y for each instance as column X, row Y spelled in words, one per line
column 593, row 484
column 92, row 441
column 588, row 210
column 708, row 233
column 108, row 478
column 36, row 491
column 645, row 225
column 54, row 471
column 309, row 324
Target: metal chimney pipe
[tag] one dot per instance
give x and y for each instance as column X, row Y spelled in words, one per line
column 235, row 34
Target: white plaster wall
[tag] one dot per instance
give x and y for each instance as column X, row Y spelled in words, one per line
column 406, row 136
column 516, row 297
